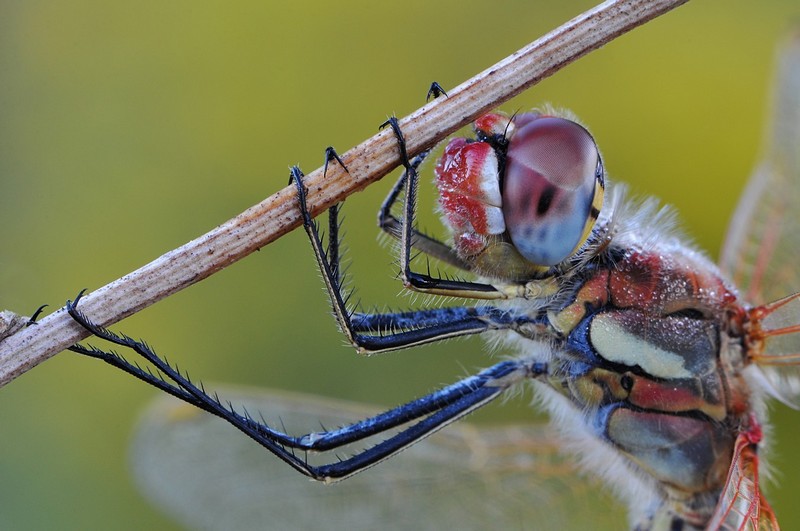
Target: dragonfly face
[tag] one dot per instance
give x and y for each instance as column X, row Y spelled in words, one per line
column 648, row 358
column 524, row 196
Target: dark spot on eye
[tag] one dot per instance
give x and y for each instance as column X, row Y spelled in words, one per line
column 545, row 200
column 677, row 524
column 626, row 381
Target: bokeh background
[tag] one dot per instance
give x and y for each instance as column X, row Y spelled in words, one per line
column 128, row 129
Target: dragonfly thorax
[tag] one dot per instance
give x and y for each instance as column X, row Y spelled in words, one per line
column 640, row 345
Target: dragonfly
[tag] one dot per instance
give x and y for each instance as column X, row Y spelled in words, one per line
column 655, row 363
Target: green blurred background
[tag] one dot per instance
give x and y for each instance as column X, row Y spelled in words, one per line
column 126, row 130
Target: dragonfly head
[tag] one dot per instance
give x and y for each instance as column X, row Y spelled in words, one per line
column 524, row 195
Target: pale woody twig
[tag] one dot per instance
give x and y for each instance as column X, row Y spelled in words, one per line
column 367, row 162
column 10, row 323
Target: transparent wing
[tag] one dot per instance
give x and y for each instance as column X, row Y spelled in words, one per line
column 762, row 247
column 742, row 506
column 207, row 475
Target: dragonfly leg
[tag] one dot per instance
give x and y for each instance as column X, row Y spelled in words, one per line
column 332, row 156
column 332, row 252
column 418, row 281
column 417, row 327
column 33, row 318
column 425, row 415
column 379, row 333
column 429, row 245
column 389, row 224
column 435, row 91
column 115, row 360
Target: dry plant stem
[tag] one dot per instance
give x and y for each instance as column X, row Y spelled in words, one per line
column 367, row 162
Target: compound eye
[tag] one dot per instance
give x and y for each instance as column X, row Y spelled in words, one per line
column 552, row 189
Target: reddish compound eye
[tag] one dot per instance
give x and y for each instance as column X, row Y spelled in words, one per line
column 553, row 173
